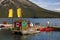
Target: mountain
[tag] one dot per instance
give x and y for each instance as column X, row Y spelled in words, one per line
column 29, row 9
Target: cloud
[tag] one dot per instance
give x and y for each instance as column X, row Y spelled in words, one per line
column 57, row 9
column 50, row 5
column 56, row 3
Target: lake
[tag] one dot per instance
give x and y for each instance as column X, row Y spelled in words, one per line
column 7, row 35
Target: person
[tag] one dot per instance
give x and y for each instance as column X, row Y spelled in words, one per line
column 47, row 24
column 31, row 24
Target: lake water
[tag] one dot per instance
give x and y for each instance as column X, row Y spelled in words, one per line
column 42, row 21
column 7, row 35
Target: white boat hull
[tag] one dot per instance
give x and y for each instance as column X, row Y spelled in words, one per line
column 27, row 32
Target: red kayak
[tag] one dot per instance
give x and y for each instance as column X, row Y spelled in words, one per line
column 42, row 29
column 49, row 29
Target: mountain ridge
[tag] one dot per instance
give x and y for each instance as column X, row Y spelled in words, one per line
column 29, row 9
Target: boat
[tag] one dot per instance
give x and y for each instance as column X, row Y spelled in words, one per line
column 48, row 29
column 42, row 29
column 25, row 32
column 23, row 27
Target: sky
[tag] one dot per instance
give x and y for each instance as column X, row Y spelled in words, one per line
column 53, row 5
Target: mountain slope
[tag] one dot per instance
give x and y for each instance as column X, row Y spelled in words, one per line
column 29, row 9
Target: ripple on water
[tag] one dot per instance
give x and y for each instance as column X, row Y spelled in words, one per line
column 7, row 35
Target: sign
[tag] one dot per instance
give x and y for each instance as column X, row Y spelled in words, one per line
column 17, row 25
column 24, row 24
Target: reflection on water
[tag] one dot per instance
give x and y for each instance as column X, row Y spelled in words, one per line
column 7, row 35
column 26, row 37
column 40, row 36
column 17, row 37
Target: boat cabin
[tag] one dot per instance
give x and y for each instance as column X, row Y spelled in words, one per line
column 21, row 25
